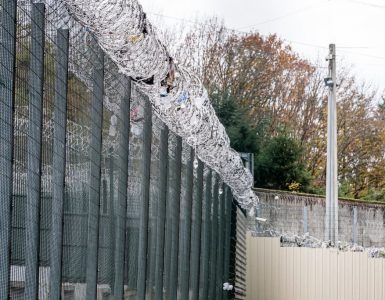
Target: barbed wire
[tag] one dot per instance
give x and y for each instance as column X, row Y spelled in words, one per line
column 294, row 227
column 306, row 240
column 178, row 96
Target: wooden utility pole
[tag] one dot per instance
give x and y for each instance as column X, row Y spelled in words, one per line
column 331, row 216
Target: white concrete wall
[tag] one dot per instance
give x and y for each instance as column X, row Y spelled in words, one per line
column 284, row 212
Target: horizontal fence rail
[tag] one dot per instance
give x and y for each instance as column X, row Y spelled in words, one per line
column 99, row 200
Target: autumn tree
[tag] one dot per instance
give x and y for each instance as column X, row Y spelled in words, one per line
column 260, row 88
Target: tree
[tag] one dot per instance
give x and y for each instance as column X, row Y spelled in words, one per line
column 260, row 88
column 243, row 137
column 279, row 165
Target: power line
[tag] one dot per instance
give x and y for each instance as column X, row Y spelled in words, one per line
column 302, row 9
column 363, row 54
column 367, row 4
column 340, row 49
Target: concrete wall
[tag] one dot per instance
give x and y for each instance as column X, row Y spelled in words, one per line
column 296, row 213
column 298, row 273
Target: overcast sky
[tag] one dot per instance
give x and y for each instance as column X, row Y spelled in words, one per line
column 357, row 27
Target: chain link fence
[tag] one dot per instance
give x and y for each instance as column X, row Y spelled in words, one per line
column 98, row 199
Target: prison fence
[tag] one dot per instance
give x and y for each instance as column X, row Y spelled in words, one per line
column 98, row 199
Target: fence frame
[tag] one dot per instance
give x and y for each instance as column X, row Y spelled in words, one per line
column 190, row 216
column 59, row 161
column 7, row 100
column 35, row 128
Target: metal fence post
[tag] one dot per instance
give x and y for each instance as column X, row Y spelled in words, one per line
column 94, row 193
column 161, row 217
column 185, row 232
column 220, row 244
column 214, row 236
column 120, row 211
column 233, row 247
column 305, row 225
column 144, row 211
column 59, row 161
column 175, row 216
column 168, row 225
column 7, row 99
column 196, row 232
column 354, row 233
column 205, row 250
column 35, row 128
column 226, row 258
column 112, row 212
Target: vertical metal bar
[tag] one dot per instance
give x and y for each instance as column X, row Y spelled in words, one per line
column 175, row 208
column 185, row 232
column 233, row 247
column 152, row 243
column 224, row 241
column 7, row 100
column 111, row 168
column 252, row 165
column 161, row 218
column 145, row 202
column 120, row 211
column 220, row 244
column 196, row 232
column 94, row 193
column 354, row 224
column 305, row 227
column 59, row 161
column 168, row 234
column 226, row 258
column 205, row 250
column 331, row 217
column 109, row 210
column 257, row 224
column 32, row 222
column 214, row 234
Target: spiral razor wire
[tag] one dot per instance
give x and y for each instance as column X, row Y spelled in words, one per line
column 178, row 97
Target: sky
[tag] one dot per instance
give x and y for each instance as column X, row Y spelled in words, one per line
column 357, row 27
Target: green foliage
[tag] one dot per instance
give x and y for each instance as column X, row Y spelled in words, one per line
column 278, row 160
column 243, row 136
column 375, row 195
column 279, row 165
column 345, row 189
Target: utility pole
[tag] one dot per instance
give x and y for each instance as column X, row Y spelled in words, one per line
column 331, row 216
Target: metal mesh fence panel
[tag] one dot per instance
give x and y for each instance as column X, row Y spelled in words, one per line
column 98, row 199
